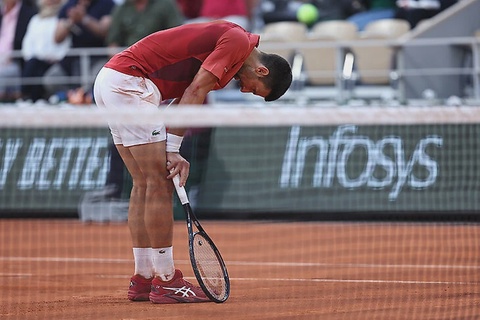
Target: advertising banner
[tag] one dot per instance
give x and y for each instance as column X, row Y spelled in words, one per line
column 347, row 168
column 50, row 169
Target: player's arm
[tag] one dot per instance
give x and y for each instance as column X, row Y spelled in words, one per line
column 195, row 94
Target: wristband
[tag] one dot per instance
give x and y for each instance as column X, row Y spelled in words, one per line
column 173, row 143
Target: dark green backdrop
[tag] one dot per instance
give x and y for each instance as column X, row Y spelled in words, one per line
column 346, row 168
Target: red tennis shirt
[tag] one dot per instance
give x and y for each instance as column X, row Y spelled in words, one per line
column 171, row 58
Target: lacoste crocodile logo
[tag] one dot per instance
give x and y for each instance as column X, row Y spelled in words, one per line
column 155, row 133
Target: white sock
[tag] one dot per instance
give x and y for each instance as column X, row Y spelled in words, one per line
column 143, row 262
column 163, row 263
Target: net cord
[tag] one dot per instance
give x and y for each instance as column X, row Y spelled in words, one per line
column 236, row 116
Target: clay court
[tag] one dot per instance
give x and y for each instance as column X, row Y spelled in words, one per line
column 65, row 269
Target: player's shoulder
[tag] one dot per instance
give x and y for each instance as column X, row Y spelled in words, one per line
column 234, row 31
column 229, row 26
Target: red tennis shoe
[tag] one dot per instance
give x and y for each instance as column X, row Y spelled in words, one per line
column 177, row 290
column 139, row 288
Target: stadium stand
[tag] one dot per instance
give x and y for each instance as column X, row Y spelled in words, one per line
column 451, row 71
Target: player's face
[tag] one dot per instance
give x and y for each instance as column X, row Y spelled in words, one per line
column 250, row 82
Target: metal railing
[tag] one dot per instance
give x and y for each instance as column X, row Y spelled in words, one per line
column 86, row 77
column 344, row 87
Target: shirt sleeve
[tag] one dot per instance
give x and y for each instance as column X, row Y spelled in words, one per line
column 231, row 49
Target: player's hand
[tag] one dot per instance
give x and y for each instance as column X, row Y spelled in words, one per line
column 176, row 164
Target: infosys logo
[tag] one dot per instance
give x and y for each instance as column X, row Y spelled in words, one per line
column 386, row 163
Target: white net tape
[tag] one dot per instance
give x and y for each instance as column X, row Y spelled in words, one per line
column 232, row 115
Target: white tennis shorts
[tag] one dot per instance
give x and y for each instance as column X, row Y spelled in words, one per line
column 114, row 90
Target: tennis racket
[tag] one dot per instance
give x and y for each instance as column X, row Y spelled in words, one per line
column 207, row 263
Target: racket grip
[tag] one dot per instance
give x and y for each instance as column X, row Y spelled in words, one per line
column 181, row 192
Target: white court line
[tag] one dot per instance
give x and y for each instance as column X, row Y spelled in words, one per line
column 254, row 263
column 351, row 265
column 59, row 259
column 7, row 274
column 358, row 281
column 257, row 263
column 289, row 280
column 326, row 280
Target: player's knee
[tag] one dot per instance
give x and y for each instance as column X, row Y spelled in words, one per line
column 139, row 183
column 158, row 184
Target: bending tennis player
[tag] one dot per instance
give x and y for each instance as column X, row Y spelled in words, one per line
column 186, row 63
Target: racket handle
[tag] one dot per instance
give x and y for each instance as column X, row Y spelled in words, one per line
column 182, row 194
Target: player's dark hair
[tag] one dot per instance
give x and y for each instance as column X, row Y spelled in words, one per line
column 279, row 78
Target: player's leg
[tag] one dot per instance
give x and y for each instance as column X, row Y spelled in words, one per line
column 140, row 282
column 148, row 163
column 151, row 159
column 150, row 214
column 136, row 211
column 114, row 90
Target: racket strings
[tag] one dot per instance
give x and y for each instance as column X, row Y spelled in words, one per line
column 209, row 267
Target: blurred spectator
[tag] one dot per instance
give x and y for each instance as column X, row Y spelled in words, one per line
column 39, row 49
column 236, row 11
column 415, row 11
column 373, row 10
column 87, row 22
column 135, row 19
column 286, row 10
column 337, row 9
column 14, row 18
column 190, row 8
column 279, row 10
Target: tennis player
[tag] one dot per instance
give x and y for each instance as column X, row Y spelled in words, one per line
column 183, row 63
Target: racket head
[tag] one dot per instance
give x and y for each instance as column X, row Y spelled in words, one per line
column 207, row 263
column 209, row 267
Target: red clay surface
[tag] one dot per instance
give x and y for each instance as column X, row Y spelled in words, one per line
column 64, row 269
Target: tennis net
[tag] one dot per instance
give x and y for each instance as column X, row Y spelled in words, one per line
column 267, row 160
column 314, row 209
